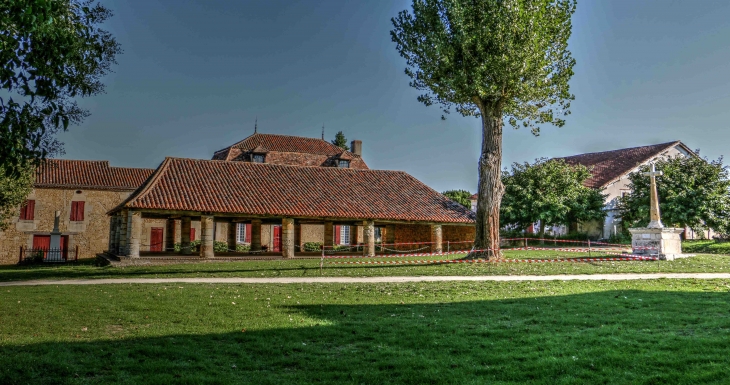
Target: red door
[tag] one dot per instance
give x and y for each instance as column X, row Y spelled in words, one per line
column 156, row 239
column 277, row 239
column 192, row 234
column 41, row 243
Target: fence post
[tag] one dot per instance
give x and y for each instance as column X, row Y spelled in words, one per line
column 76, row 257
column 589, row 248
column 321, row 261
column 448, row 246
column 525, row 243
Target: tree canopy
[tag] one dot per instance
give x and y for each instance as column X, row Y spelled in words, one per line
column 693, row 192
column 340, row 141
column 494, row 59
column 461, row 197
column 13, row 192
column 51, row 53
column 550, row 191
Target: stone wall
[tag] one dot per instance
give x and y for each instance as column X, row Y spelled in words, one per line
column 301, row 159
column 91, row 234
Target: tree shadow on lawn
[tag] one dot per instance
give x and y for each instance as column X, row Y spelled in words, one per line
column 627, row 336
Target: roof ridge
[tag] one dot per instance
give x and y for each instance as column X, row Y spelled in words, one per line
column 145, row 187
column 667, row 144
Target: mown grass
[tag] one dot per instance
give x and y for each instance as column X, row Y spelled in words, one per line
column 641, row 332
column 706, row 247
column 310, row 268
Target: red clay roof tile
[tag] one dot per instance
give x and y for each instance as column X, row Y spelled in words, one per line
column 90, row 174
column 607, row 166
column 280, row 190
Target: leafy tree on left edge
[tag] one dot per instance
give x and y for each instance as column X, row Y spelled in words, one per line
column 51, row 52
column 13, row 192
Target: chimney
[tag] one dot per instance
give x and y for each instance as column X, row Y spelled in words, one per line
column 356, row 147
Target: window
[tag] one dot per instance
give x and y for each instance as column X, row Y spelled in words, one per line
column 343, row 163
column 259, row 158
column 27, row 212
column 243, row 233
column 77, row 211
column 624, row 193
column 344, row 235
column 378, row 234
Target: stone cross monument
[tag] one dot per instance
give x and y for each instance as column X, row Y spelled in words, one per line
column 55, row 252
column 655, row 239
column 654, row 215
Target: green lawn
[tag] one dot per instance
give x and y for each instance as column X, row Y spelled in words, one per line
column 310, row 268
column 706, row 247
column 630, row 332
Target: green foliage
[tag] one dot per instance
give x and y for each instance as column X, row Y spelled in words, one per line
column 14, row 190
column 508, row 56
column 52, row 52
column 493, row 59
column 550, row 191
column 313, row 246
column 459, row 196
column 340, row 141
column 693, row 192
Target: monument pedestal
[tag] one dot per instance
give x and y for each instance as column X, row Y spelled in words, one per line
column 664, row 242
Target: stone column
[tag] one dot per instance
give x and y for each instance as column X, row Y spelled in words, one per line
column 298, row 244
column 117, row 225
column 287, row 237
column 169, row 235
column 256, row 235
column 329, row 234
column 185, row 236
column 206, row 236
column 437, row 239
column 135, row 236
column 232, row 235
column 369, row 234
column 390, row 235
column 122, row 246
column 112, row 231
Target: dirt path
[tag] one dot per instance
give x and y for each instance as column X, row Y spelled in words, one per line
column 495, row 278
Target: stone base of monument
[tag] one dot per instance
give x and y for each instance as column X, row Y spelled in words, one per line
column 664, row 242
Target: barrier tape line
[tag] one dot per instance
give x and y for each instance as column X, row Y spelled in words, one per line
column 627, row 257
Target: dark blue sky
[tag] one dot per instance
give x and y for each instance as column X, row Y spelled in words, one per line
column 195, row 74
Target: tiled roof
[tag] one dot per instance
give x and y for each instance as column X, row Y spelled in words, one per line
column 278, row 190
column 90, row 174
column 608, row 166
column 474, row 197
column 282, row 143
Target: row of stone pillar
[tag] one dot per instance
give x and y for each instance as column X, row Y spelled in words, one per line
column 125, row 235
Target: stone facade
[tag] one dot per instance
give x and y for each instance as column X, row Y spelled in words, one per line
column 91, row 235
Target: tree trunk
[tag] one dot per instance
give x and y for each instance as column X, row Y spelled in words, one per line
column 491, row 188
column 542, row 232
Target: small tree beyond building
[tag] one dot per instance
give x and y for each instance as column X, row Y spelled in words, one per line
column 459, row 196
column 549, row 191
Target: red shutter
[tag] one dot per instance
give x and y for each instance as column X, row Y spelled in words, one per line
column 80, row 213
column 28, row 210
column 248, row 233
column 77, row 211
column 156, row 239
column 192, row 234
column 338, row 234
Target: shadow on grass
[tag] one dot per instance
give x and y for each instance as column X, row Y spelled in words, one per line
column 604, row 337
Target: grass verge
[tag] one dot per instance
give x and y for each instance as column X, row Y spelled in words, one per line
column 650, row 332
column 310, row 268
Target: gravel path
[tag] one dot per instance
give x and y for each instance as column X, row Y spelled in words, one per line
column 496, row 278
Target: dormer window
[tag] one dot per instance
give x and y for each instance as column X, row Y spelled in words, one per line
column 259, row 158
column 343, row 163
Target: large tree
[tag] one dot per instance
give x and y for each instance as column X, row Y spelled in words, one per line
column 549, row 191
column 51, row 52
column 494, row 59
column 461, row 197
column 693, row 192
